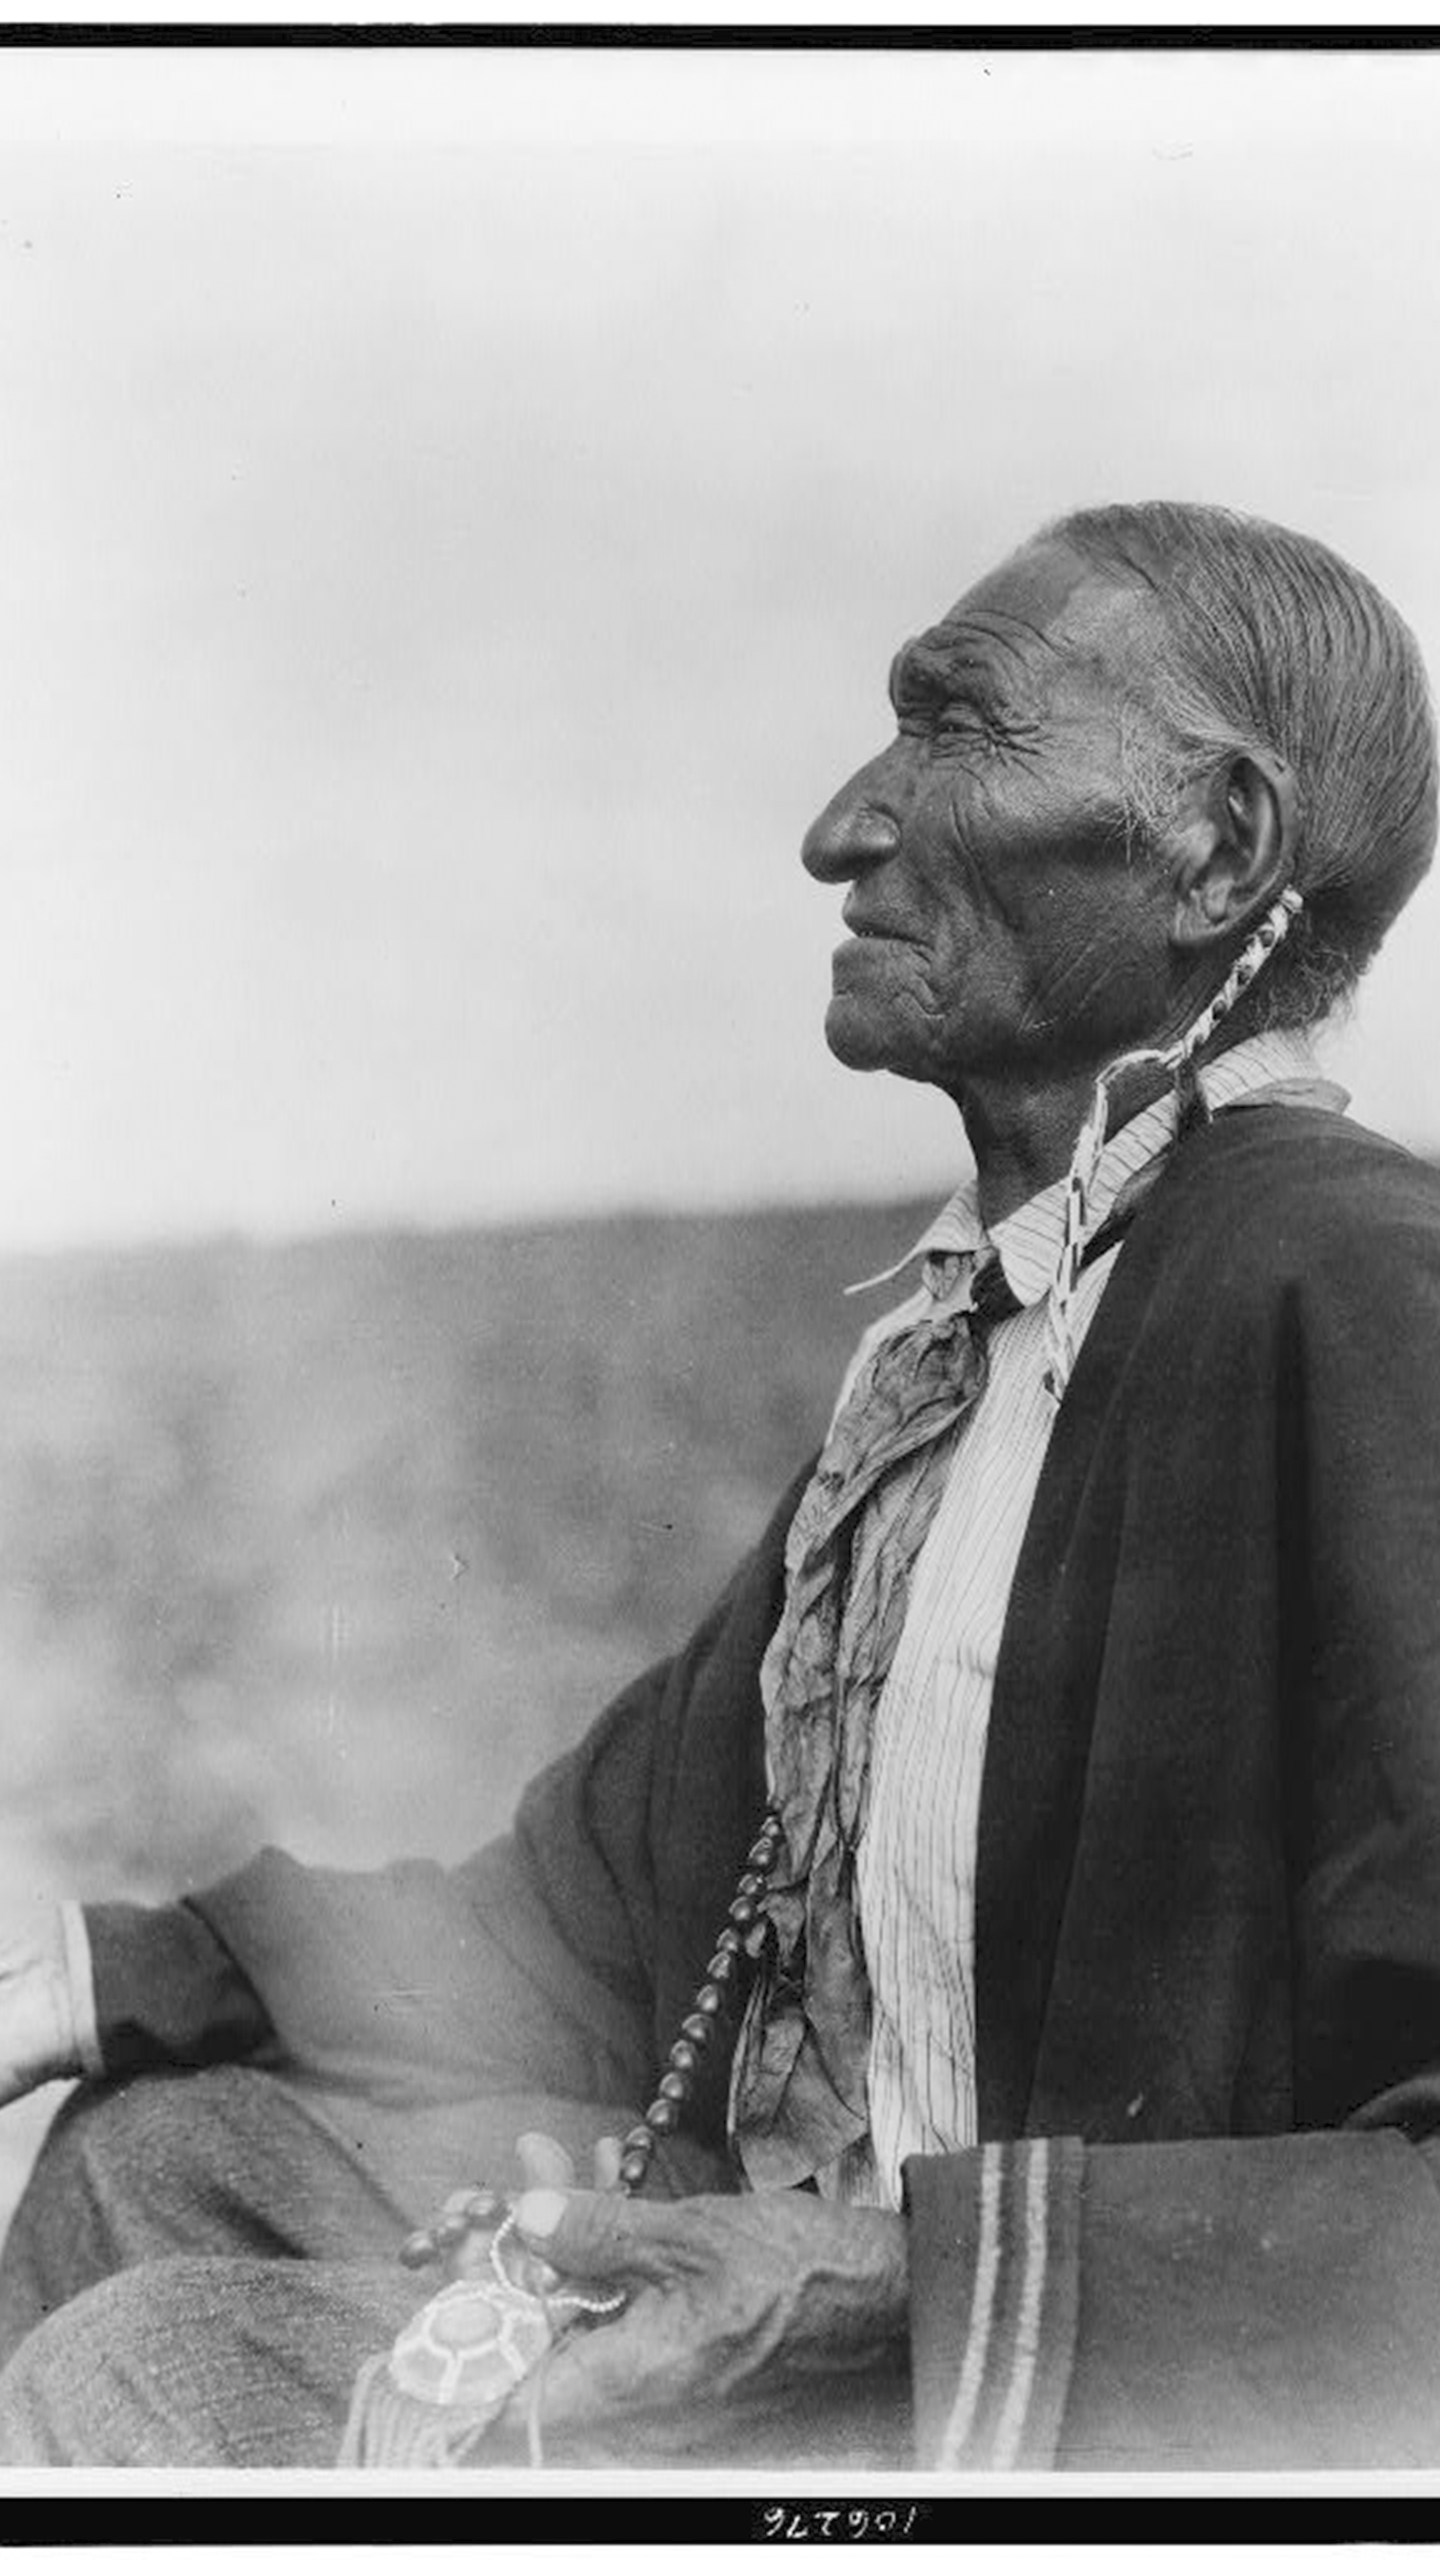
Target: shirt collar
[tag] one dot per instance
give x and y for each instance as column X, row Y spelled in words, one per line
column 1277, row 1066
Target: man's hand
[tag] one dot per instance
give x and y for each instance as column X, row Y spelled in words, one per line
column 546, row 2163
column 735, row 2301
column 38, row 2037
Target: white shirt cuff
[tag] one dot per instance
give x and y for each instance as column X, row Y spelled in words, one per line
column 80, row 1979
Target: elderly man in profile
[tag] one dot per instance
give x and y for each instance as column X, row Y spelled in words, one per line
column 995, row 1969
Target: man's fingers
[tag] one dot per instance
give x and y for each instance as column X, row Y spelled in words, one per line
column 598, row 2235
column 38, row 2039
column 544, row 2162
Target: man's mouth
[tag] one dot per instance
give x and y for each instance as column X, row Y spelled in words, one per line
column 873, row 929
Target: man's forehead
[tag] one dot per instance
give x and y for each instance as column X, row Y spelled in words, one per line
column 1046, row 604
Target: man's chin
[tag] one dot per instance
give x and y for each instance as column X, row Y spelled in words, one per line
column 853, row 1035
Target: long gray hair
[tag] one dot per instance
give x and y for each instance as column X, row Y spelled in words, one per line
column 1277, row 643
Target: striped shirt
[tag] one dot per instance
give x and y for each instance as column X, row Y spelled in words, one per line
column 915, row 1880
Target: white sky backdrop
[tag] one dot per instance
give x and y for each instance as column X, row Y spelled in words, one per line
column 456, row 511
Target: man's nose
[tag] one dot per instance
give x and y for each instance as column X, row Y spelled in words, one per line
column 858, row 828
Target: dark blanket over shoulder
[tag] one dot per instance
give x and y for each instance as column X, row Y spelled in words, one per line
column 1199, row 2225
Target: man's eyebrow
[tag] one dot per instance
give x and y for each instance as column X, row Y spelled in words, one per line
column 930, row 671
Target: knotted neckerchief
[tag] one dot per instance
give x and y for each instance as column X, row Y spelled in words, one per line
column 799, row 2084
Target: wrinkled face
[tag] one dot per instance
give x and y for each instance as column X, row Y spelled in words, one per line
column 997, row 920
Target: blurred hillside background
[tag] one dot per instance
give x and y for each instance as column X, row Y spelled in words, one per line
column 458, row 509
column 334, row 1543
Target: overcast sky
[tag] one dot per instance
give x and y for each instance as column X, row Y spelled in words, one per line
column 456, row 515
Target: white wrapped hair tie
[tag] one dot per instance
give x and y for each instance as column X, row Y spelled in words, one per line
column 1090, row 1145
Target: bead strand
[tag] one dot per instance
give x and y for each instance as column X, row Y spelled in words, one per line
column 468, row 2209
column 698, row 2026
column 472, row 2209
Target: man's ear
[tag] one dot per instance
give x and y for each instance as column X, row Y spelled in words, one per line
column 1237, row 849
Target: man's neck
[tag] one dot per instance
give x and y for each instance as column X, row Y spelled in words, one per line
column 1022, row 1138
column 1022, row 1134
